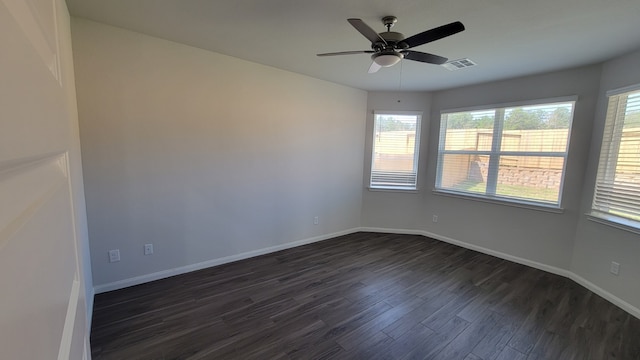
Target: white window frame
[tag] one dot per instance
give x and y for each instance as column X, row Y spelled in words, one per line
column 495, row 154
column 610, row 145
column 416, row 153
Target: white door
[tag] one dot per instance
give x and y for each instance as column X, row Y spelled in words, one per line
column 43, row 311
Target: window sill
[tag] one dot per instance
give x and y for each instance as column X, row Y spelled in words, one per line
column 393, row 189
column 501, row 201
column 614, row 221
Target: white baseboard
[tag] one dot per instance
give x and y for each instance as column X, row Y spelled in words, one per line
column 214, row 262
column 534, row 264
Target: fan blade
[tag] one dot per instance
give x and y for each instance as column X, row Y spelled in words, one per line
column 365, row 30
column 347, row 53
column 424, row 57
column 434, row 34
column 374, row 67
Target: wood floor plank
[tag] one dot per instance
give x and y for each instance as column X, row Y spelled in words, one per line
column 405, row 344
column 496, row 340
column 432, row 346
column 472, row 356
column 373, row 327
column 533, row 327
column 375, row 345
column 449, row 310
column 417, row 315
column 464, row 343
column 363, row 296
column 511, row 354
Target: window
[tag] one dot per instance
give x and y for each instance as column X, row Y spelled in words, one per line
column 617, row 190
column 396, row 143
column 515, row 154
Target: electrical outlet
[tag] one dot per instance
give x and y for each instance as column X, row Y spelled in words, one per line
column 435, row 218
column 615, row 268
column 114, row 255
column 315, row 221
column 148, row 249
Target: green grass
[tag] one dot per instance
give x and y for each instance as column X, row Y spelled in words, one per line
column 512, row 191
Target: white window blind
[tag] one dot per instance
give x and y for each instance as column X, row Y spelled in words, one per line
column 396, row 143
column 516, row 153
column 617, row 190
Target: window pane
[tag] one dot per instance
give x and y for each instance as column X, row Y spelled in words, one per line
column 394, row 151
column 537, row 128
column 469, row 130
column 530, row 177
column 464, row 172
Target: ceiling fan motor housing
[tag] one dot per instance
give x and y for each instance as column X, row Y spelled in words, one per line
column 394, row 41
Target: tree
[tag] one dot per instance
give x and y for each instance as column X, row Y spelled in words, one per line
column 459, row 120
column 392, row 124
column 559, row 119
column 485, row 122
column 519, row 119
column 389, row 124
column 466, row 121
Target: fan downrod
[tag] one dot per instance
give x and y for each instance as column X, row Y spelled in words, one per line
column 389, row 21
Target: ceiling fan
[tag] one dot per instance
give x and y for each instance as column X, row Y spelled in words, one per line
column 389, row 47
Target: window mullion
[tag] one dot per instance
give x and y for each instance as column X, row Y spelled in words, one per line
column 494, row 158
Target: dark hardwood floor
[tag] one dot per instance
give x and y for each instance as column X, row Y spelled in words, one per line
column 363, row 296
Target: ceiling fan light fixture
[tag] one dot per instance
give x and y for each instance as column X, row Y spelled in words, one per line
column 386, row 60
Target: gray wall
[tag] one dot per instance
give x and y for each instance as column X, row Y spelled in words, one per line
column 534, row 235
column 596, row 244
column 207, row 156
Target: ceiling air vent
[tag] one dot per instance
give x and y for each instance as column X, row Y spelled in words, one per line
column 458, row 64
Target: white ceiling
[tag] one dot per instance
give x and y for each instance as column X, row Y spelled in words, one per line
column 506, row 38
